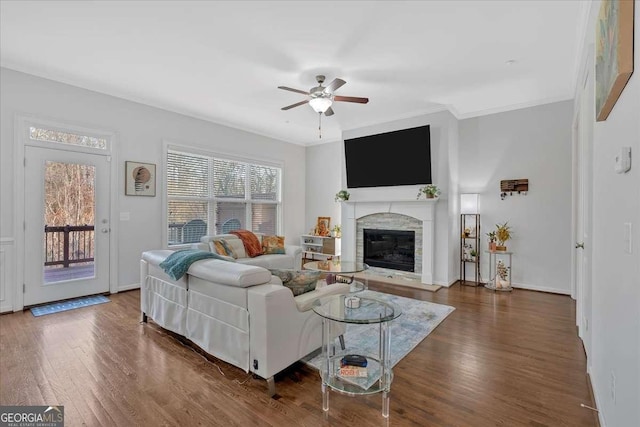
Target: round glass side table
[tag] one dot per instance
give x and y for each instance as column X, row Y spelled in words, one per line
column 371, row 311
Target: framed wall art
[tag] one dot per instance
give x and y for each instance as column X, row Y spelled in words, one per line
column 140, row 179
column 614, row 53
column 323, row 226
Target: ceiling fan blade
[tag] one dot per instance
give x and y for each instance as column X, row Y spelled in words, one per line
column 293, row 90
column 329, row 112
column 297, row 104
column 351, row 99
column 335, row 85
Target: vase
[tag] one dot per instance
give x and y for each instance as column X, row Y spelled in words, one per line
column 430, row 196
column 501, row 248
column 492, row 246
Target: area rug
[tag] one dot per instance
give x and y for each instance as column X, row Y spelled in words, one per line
column 71, row 304
column 418, row 319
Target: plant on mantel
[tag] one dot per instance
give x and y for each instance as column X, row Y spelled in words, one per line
column 342, row 196
column 430, row 191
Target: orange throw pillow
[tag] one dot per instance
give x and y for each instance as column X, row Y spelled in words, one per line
column 250, row 241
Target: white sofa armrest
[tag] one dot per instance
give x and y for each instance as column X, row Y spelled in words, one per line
column 296, row 252
column 280, row 333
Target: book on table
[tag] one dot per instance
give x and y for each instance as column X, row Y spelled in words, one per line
column 353, row 371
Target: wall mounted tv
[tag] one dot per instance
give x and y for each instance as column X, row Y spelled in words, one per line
column 401, row 157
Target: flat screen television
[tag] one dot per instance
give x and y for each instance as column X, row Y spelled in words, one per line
column 401, row 157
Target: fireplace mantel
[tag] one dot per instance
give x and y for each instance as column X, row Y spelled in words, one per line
column 423, row 210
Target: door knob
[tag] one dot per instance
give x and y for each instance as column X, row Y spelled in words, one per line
column 105, row 230
column 580, row 245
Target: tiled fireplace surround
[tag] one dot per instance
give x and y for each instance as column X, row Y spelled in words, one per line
column 417, row 215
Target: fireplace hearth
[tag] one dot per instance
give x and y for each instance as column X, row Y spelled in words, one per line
column 392, row 249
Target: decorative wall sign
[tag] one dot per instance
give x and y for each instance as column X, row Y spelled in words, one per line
column 140, row 179
column 614, row 53
column 510, row 186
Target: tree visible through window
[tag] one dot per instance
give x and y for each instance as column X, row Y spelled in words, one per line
column 223, row 194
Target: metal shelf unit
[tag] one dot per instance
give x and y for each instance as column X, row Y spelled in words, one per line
column 469, row 241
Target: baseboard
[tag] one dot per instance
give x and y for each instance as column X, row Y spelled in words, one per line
column 444, row 283
column 132, row 286
column 597, row 401
column 541, row 289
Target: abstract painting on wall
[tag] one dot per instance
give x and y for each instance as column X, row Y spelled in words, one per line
column 614, row 53
column 140, row 179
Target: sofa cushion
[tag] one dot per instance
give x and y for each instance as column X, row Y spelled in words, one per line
column 270, row 261
column 230, row 273
column 273, row 245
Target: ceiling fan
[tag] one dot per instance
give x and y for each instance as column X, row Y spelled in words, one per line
column 321, row 98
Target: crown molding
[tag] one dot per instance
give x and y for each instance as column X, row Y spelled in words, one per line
column 95, row 87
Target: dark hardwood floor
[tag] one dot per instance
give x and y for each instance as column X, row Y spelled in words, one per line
column 500, row 359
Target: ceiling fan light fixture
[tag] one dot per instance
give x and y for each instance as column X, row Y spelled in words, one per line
column 320, row 104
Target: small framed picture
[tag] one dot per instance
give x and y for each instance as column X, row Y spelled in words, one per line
column 140, row 179
column 323, row 226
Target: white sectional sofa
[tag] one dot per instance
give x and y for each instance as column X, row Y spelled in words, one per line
column 292, row 258
column 238, row 313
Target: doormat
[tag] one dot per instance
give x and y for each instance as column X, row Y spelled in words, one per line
column 71, row 304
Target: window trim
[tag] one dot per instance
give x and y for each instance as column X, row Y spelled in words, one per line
column 169, row 145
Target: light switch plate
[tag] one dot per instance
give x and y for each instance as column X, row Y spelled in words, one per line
column 628, row 241
column 623, row 160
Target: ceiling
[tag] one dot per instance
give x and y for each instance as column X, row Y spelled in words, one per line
column 223, row 61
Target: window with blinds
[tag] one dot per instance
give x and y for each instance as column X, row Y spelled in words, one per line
column 212, row 195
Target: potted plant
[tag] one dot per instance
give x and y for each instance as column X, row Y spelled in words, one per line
column 503, row 233
column 430, row 191
column 492, row 240
column 502, row 275
column 337, row 231
column 342, row 196
column 473, row 254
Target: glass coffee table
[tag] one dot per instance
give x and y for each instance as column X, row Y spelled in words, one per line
column 370, row 311
column 342, row 269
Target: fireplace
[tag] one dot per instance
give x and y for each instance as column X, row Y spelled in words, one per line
column 407, row 215
column 392, row 249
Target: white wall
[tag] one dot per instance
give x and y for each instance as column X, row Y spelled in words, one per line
column 615, row 324
column 533, row 143
column 324, row 180
column 140, row 130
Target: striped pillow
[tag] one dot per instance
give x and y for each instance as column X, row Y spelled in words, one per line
column 221, row 247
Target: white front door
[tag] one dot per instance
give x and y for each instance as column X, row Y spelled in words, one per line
column 67, row 204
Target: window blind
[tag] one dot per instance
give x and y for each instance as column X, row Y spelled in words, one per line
column 207, row 194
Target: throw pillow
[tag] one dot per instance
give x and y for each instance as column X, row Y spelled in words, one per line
column 299, row 282
column 251, row 243
column 237, row 247
column 222, row 247
column 273, row 244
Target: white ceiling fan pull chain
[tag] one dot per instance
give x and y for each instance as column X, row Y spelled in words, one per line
column 320, row 125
